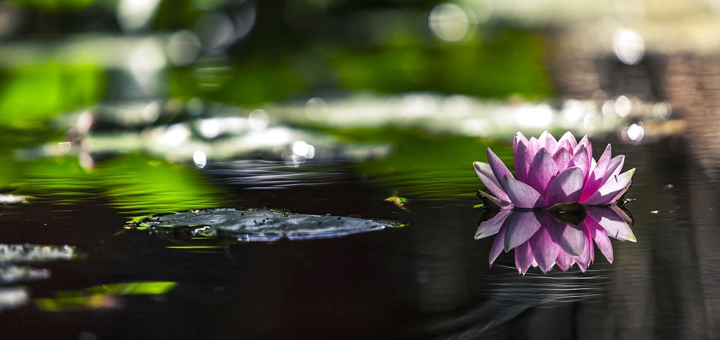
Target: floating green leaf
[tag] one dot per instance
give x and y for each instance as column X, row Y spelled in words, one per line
column 250, row 225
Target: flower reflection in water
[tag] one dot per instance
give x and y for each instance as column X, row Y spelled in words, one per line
column 544, row 239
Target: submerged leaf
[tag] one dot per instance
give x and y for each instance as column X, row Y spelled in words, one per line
column 134, row 288
column 106, row 296
column 252, row 225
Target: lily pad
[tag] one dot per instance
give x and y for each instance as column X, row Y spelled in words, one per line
column 253, row 225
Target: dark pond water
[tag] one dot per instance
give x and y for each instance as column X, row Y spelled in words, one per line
column 430, row 279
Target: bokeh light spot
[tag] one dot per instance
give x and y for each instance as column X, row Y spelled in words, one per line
column 449, row 22
column 628, row 46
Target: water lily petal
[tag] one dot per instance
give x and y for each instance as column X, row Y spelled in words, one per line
column 613, row 223
column 614, row 167
column 522, row 195
column 542, row 170
column 498, row 244
column 534, row 146
column 485, row 172
column 565, row 187
column 588, row 253
column 567, row 141
column 493, row 225
column 583, row 266
column 580, row 160
column 522, row 161
column 564, row 261
column 622, row 214
column 548, row 142
column 595, row 180
column 499, row 168
column 621, row 193
column 569, row 237
column 517, row 140
column 610, row 191
column 562, row 158
column 585, row 142
column 521, row 226
column 544, row 249
column 601, row 239
column 520, row 152
column 603, row 162
column 523, row 258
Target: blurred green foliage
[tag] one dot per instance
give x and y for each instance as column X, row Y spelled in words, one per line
column 276, row 61
column 31, row 95
column 511, row 64
column 248, row 82
column 56, row 5
column 174, row 15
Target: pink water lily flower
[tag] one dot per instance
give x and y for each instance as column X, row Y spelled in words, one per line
column 550, row 172
column 541, row 240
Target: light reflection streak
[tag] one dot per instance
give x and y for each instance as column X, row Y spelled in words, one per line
column 223, row 132
column 262, row 175
column 470, row 116
column 211, row 128
column 13, row 297
column 511, row 295
column 11, row 272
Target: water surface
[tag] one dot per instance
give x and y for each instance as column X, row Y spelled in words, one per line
column 430, row 279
